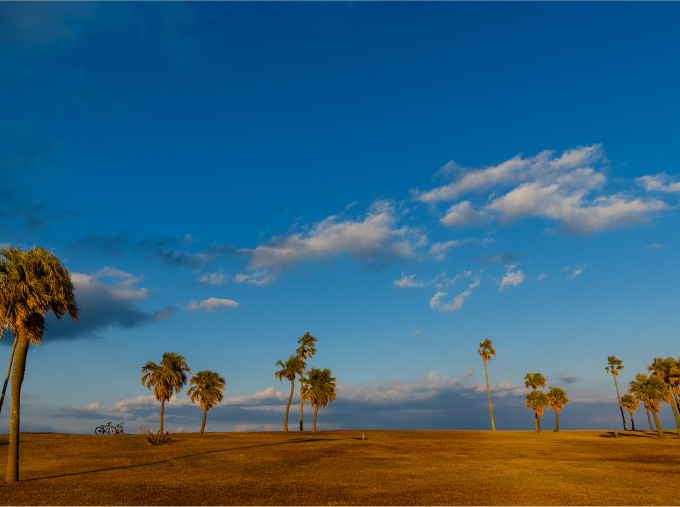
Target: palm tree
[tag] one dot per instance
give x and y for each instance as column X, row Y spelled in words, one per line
column 650, row 391
column 557, row 399
column 668, row 371
column 31, row 284
column 319, row 389
column 486, row 351
column 630, row 403
column 206, row 387
column 305, row 350
column 535, row 380
column 615, row 365
column 536, row 401
column 294, row 366
column 169, row 376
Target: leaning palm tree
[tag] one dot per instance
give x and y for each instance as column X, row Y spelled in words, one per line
column 667, row 370
column 31, row 284
column 319, row 389
column 650, row 391
column 615, row 365
column 294, row 366
column 305, row 350
column 166, row 378
column 486, row 351
column 537, row 401
column 206, row 387
column 557, row 399
column 630, row 403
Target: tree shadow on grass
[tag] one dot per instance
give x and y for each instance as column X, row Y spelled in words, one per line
column 637, row 434
column 176, row 458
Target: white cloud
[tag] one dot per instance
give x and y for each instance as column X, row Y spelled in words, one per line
column 574, row 274
column 655, row 246
column 457, row 303
column 660, row 182
column 434, row 301
column 462, row 214
column 376, row 236
column 407, row 281
column 259, row 278
column 438, row 250
column 512, row 278
column 541, row 277
column 213, row 278
column 565, row 188
column 212, row 304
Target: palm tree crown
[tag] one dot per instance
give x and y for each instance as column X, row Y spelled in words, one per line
column 614, row 365
column 534, row 380
column 294, row 366
column 486, row 350
column 537, row 401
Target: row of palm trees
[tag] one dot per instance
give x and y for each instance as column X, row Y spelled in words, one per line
column 661, row 386
column 537, row 401
column 207, row 387
column 316, row 386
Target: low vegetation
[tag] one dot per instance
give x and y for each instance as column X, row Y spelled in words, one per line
column 338, row 467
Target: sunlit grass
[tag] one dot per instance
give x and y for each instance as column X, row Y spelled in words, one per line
column 338, row 467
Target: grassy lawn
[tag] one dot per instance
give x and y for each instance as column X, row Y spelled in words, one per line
column 337, row 467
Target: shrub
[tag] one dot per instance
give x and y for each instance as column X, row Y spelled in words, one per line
column 155, row 438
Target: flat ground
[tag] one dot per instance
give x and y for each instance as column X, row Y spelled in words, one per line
column 337, row 467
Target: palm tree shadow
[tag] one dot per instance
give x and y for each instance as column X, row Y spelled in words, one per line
column 177, row 458
column 635, row 434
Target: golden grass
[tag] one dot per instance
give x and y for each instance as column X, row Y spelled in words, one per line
column 337, row 467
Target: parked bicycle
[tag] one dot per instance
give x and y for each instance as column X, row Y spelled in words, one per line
column 108, row 429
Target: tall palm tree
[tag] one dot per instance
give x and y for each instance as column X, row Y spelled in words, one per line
column 668, row 371
column 615, row 365
column 537, row 401
column 31, row 284
column 319, row 389
column 650, row 391
column 166, row 378
column 557, row 399
column 486, row 351
column 630, row 403
column 206, row 387
column 294, row 366
column 305, row 350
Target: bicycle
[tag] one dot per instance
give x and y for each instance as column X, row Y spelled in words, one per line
column 107, row 429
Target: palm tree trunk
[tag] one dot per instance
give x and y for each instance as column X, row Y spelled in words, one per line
column 488, row 392
column 162, row 406
column 17, row 379
column 316, row 411
column 632, row 421
column 538, row 422
column 290, row 398
column 302, row 402
column 650, row 421
column 618, row 396
column 677, row 416
column 205, row 413
column 658, row 426
column 557, row 421
column 9, row 368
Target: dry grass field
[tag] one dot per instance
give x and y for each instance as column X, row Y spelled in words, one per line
column 337, row 467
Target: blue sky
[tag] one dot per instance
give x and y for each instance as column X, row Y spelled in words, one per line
column 402, row 180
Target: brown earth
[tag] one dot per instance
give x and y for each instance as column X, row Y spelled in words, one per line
column 337, row 467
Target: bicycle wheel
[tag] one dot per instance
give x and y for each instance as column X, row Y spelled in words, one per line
column 99, row 430
column 110, row 430
column 119, row 429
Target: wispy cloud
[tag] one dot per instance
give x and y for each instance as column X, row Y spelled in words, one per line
column 655, row 246
column 438, row 250
column 259, row 278
column 213, row 279
column 408, row 281
column 212, row 304
column 573, row 272
column 458, row 301
column 661, row 182
column 512, row 278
